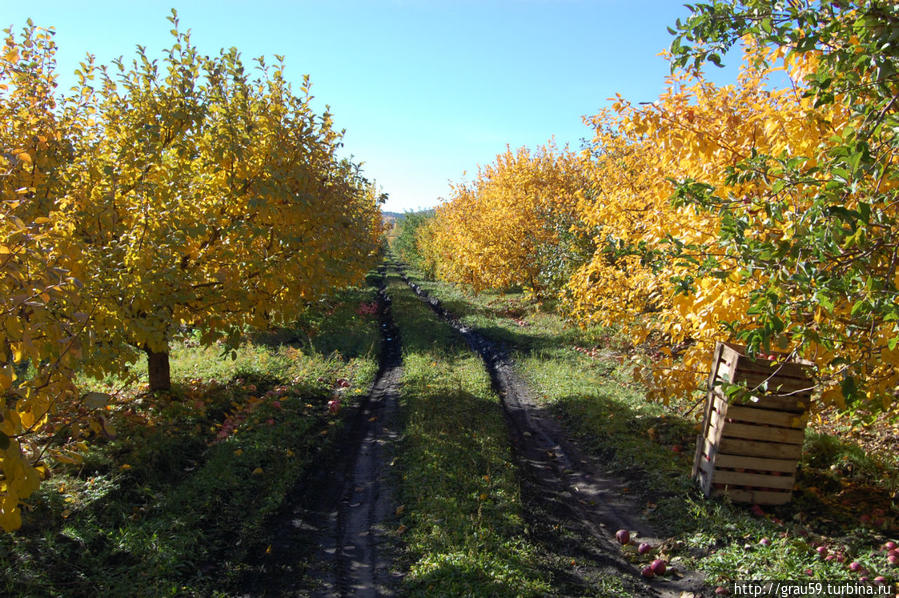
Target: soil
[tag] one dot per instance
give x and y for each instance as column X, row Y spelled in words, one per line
column 573, row 507
column 332, row 538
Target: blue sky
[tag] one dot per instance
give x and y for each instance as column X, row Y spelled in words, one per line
column 425, row 89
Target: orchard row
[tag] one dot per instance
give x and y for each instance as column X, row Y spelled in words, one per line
column 154, row 196
column 763, row 212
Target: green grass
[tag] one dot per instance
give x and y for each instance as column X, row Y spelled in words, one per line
column 652, row 445
column 461, row 500
column 171, row 497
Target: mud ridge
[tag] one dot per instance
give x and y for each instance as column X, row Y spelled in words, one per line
column 561, row 483
column 331, row 539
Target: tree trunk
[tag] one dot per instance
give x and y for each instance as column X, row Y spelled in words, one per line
column 158, row 369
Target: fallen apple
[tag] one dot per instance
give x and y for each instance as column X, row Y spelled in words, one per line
column 647, row 571
column 333, row 406
column 623, row 536
column 659, row 566
column 643, row 548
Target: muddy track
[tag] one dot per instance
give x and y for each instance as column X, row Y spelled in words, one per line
column 563, row 488
column 331, row 540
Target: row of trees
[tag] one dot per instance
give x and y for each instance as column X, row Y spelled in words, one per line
column 761, row 213
column 152, row 196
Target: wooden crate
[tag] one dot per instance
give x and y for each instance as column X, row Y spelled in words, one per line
column 751, row 442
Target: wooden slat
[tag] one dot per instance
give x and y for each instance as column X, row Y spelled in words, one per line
column 705, row 481
column 758, row 497
column 713, row 374
column 752, row 479
column 741, row 413
column 735, row 356
column 766, row 416
column 780, row 369
column 759, row 463
column 770, row 433
column 750, row 448
column 791, row 404
column 776, row 385
column 719, row 477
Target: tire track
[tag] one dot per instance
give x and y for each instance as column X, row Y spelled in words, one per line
column 557, row 479
column 332, row 539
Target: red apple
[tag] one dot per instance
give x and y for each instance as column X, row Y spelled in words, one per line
column 822, row 551
column 893, row 559
column 333, row 406
column 765, row 542
column 623, row 536
column 659, row 566
column 644, row 548
column 647, row 571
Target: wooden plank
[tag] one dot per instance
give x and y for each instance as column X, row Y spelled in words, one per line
column 705, row 481
column 751, row 432
column 708, row 449
column 716, row 423
column 718, row 467
column 769, row 417
column 750, row 448
column 791, row 404
column 736, row 357
column 752, row 479
column 758, row 497
column 713, row 374
column 741, row 413
column 775, row 384
column 697, row 455
column 758, row 463
column 729, row 357
column 772, row 368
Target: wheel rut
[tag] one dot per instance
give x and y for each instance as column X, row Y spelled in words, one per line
column 332, row 539
column 561, row 486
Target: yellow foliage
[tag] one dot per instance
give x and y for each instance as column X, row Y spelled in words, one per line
column 492, row 231
column 695, row 131
column 182, row 192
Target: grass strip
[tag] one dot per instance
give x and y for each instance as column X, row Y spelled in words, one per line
column 464, row 531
